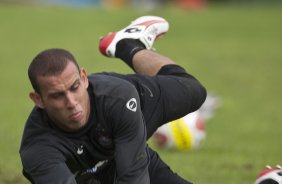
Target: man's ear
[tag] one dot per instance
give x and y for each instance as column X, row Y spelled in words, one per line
column 84, row 77
column 36, row 98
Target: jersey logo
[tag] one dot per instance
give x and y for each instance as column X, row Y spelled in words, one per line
column 80, row 150
column 132, row 104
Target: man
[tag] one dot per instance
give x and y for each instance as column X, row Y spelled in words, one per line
column 93, row 129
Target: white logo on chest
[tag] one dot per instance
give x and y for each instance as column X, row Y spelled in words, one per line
column 80, row 150
column 132, row 104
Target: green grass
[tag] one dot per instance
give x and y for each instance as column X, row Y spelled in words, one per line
column 234, row 51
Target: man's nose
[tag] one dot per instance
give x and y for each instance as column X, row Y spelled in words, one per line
column 70, row 101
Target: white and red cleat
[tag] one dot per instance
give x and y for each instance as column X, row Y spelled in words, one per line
column 270, row 176
column 146, row 29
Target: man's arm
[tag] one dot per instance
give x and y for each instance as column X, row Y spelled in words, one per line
column 129, row 130
column 44, row 165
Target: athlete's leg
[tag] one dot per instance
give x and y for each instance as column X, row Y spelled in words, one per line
column 147, row 62
column 179, row 92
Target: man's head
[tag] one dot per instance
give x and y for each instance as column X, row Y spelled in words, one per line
column 60, row 88
column 49, row 62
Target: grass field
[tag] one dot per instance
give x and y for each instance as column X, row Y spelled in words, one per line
column 235, row 51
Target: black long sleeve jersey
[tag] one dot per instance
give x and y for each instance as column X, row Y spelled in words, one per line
column 112, row 146
column 116, row 122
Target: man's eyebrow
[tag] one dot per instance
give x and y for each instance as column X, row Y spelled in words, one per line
column 75, row 82
column 55, row 92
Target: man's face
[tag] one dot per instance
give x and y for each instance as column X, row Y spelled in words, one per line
column 65, row 98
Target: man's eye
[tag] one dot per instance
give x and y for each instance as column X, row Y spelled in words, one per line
column 56, row 95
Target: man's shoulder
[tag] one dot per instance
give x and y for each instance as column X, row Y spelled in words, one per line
column 37, row 119
column 37, row 129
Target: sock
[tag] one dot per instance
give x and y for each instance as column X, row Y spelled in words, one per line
column 127, row 48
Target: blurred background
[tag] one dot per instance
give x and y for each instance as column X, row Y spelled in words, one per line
column 234, row 47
